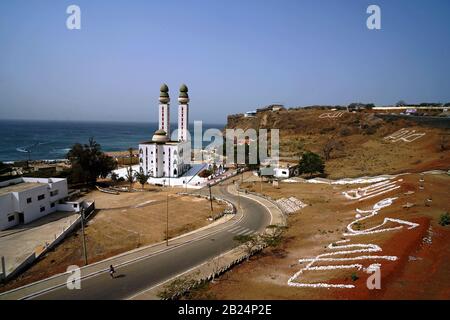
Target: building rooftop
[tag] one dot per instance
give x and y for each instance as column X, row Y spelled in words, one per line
column 172, row 143
column 18, row 187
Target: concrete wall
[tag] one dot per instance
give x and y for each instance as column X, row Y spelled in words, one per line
column 164, row 156
column 6, row 210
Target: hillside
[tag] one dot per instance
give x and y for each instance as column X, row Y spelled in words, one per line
column 355, row 144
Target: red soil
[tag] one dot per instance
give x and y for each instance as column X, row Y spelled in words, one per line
column 428, row 266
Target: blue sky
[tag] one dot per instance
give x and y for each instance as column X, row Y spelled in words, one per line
column 234, row 56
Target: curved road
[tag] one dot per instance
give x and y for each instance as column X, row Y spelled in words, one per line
column 150, row 271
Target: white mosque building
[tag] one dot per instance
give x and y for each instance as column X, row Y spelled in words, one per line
column 163, row 157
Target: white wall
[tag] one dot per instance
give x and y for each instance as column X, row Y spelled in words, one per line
column 7, row 209
column 281, row 172
column 17, row 201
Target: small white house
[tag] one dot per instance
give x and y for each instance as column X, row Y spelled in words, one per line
column 24, row 200
column 285, row 172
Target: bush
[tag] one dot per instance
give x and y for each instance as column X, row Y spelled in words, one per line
column 176, row 288
column 274, row 236
column 345, row 132
column 311, row 163
column 444, row 219
column 205, row 173
column 354, row 276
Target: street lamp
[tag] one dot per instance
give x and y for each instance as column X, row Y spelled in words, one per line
column 167, row 219
column 83, row 237
column 210, row 197
column 239, row 195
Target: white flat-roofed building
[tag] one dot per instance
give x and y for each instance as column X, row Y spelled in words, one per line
column 24, row 200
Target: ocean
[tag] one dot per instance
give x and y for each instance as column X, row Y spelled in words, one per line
column 51, row 140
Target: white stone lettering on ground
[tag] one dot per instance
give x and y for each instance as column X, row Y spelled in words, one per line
column 405, row 135
column 344, row 250
column 291, row 204
column 331, row 115
column 371, row 191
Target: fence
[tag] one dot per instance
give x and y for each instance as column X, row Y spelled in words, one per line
column 88, row 207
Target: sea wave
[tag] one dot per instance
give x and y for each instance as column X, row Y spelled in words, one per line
column 60, row 151
column 21, row 149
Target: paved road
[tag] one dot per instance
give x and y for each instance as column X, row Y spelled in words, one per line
column 143, row 274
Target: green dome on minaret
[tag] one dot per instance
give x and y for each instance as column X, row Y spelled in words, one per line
column 164, row 94
column 183, row 98
column 164, row 88
column 184, row 88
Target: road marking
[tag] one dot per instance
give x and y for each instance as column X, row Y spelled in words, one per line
column 234, row 228
column 240, row 230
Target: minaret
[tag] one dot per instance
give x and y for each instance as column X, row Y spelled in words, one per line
column 183, row 113
column 164, row 109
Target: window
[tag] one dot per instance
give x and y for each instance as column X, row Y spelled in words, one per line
column 54, row 193
column 42, row 209
column 75, row 205
column 52, row 205
column 11, row 218
column 41, row 197
column 29, row 200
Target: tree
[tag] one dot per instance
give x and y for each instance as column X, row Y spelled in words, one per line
column 444, row 219
column 5, row 168
column 130, row 177
column 331, row 145
column 89, row 162
column 142, row 178
column 311, row 163
column 273, row 236
column 401, row 103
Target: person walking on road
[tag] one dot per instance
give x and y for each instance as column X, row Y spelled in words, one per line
column 112, row 271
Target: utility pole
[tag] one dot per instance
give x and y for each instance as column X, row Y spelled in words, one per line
column 261, row 184
column 3, row 273
column 167, row 219
column 83, row 238
column 239, row 196
column 210, row 197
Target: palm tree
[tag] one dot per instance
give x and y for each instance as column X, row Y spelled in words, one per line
column 130, row 177
column 142, row 178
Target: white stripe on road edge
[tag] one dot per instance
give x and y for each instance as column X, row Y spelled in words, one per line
column 235, row 228
column 240, row 230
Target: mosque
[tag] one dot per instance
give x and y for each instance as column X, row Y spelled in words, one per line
column 162, row 156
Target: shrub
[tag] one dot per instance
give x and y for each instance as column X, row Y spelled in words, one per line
column 354, row 276
column 311, row 163
column 346, row 131
column 176, row 288
column 444, row 219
